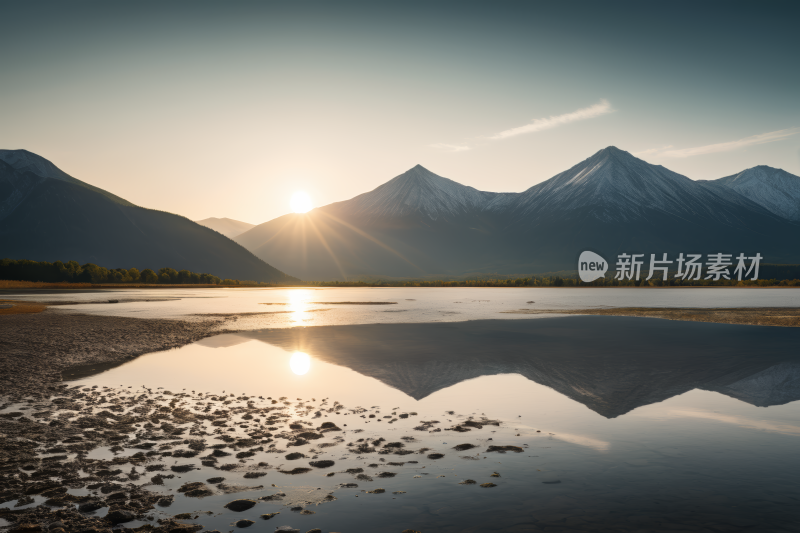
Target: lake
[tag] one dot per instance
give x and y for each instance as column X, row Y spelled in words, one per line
column 619, row 424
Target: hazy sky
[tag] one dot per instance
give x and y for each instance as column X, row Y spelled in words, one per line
column 226, row 108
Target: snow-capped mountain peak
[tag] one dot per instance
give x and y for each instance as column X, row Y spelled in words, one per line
column 419, row 191
column 772, row 188
column 612, row 184
column 26, row 161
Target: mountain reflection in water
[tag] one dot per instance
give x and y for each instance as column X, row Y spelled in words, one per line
column 610, row 364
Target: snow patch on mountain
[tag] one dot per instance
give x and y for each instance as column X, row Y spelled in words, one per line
column 26, row 161
column 613, row 185
column 420, row 191
column 772, row 188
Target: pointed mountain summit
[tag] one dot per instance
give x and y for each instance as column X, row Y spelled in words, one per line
column 772, row 188
column 613, row 185
column 418, row 191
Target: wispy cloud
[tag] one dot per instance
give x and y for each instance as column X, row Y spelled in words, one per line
column 540, row 124
column 652, row 151
column 451, row 147
column 754, row 140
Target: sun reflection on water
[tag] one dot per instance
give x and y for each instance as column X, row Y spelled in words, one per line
column 298, row 305
column 300, row 363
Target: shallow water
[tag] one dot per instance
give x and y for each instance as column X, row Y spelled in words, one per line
column 628, row 424
column 311, row 307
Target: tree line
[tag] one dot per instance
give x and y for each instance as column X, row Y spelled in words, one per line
column 73, row 272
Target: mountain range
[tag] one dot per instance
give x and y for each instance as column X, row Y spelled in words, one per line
column 48, row 215
column 420, row 224
column 227, row 226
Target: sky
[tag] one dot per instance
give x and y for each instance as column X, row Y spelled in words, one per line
column 225, row 109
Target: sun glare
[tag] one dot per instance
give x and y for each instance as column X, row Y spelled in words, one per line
column 301, row 202
column 300, row 363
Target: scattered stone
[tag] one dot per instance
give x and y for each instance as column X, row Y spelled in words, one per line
column 240, row 505
column 89, row 507
column 295, row 471
column 462, row 447
column 244, row 523
column 503, row 449
column 435, row 455
column 120, row 516
column 487, row 485
column 468, row 482
column 269, row 515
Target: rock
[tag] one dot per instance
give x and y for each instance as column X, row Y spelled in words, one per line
column 182, row 468
column 120, row 516
column 410, row 531
column 240, row 505
column 28, row 527
column 294, row 456
column 435, row 455
column 215, row 480
column 295, row 471
column 468, row 482
column 165, row 501
column 244, row 523
column 56, row 525
column 89, row 507
column 387, row 474
column 315, row 530
column 286, row 529
column 349, row 485
column 322, row 464
column 487, row 485
column 462, row 447
column 501, row 449
column 196, row 489
column 376, row 491
column 268, row 516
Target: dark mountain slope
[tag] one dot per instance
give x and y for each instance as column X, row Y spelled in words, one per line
column 47, row 219
column 25, row 161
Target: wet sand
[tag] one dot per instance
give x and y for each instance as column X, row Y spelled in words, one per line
column 37, row 345
column 788, row 317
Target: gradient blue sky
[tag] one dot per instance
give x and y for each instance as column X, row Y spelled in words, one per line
column 226, row 108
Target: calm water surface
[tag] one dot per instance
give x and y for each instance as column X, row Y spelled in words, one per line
column 627, row 424
column 307, row 307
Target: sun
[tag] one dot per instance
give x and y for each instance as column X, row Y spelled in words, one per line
column 301, row 202
column 300, row 363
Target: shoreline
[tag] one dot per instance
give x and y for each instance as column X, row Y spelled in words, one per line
column 785, row 317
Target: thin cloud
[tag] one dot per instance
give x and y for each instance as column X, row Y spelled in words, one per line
column 540, row 124
column 451, row 147
column 754, row 140
column 651, row 151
